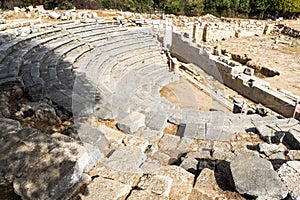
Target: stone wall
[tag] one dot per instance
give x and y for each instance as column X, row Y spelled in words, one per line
column 234, row 77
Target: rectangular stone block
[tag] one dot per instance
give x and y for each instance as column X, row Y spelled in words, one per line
column 132, row 123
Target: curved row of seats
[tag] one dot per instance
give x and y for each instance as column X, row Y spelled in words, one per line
column 96, row 68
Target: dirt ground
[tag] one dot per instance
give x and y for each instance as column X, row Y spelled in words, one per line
column 183, row 94
column 283, row 58
column 186, row 95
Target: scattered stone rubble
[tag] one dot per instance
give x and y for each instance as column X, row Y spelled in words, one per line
column 284, row 29
column 60, row 144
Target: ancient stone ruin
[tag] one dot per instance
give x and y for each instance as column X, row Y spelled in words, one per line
column 83, row 116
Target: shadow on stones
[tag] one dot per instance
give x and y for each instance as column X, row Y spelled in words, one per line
column 277, row 163
column 43, row 75
column 221, row 170
column 253, row 147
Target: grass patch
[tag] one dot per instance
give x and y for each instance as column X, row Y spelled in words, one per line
column 292, row 48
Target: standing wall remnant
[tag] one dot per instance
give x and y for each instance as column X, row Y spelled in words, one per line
column 258, row 91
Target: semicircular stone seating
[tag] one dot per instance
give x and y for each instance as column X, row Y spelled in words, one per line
column 102, row 70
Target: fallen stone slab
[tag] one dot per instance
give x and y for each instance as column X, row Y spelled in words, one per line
column 52, row 175
column 195, row 130
column 207, row 187
column 152, row 136
column 156, row 121
column 269, row 149
column 222, row 151
column 218, row 132
column 92, row 136
column 182, row 181
column 135, row 141
column 16, row 155
column 290, row 175
column 157, row 184
column 151, row 166
column 127, row 177
column 104, row 188
column 126, row 159
column 132, row 123
column 186, row 145
column 163, row 158
column 292, row 138
column 113, row 137
column 255, row 176
column 190, row 165
column 274, row 131
column 168, row 144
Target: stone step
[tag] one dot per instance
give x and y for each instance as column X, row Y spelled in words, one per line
column 9, row 47
column 75, row 25
column 133, row 58
column 48, row 69
column 111, row 38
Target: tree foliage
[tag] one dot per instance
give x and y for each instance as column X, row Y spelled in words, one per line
column 231, row 8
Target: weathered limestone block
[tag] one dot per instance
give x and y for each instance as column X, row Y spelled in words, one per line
column 105, row 171
column 103, row 188
column 182, row 183
column 255, row 176
column 292, row 138
column 83, row 181
column 200, row 154
column 243, row 148
column 113, row 136
column 162, row 158
column 207, row 187
column 187, row 145
column 160, row 185
column 57, row 171
column 190, row 165
column 195, row 130
column 156, row 121
column 269, row 149
column 168, row 144
column 141, row 143
column 151, row 166
column 218, row 131
column 279, row 157
column 17, row 155
column 290, row 175
column 294, row 154
column 276, row 130
column 126, row 159
column 123, row 165
column 132, row 123
column 145, row 195
column 152, row 136
column 222, row 151
column 90, row 135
